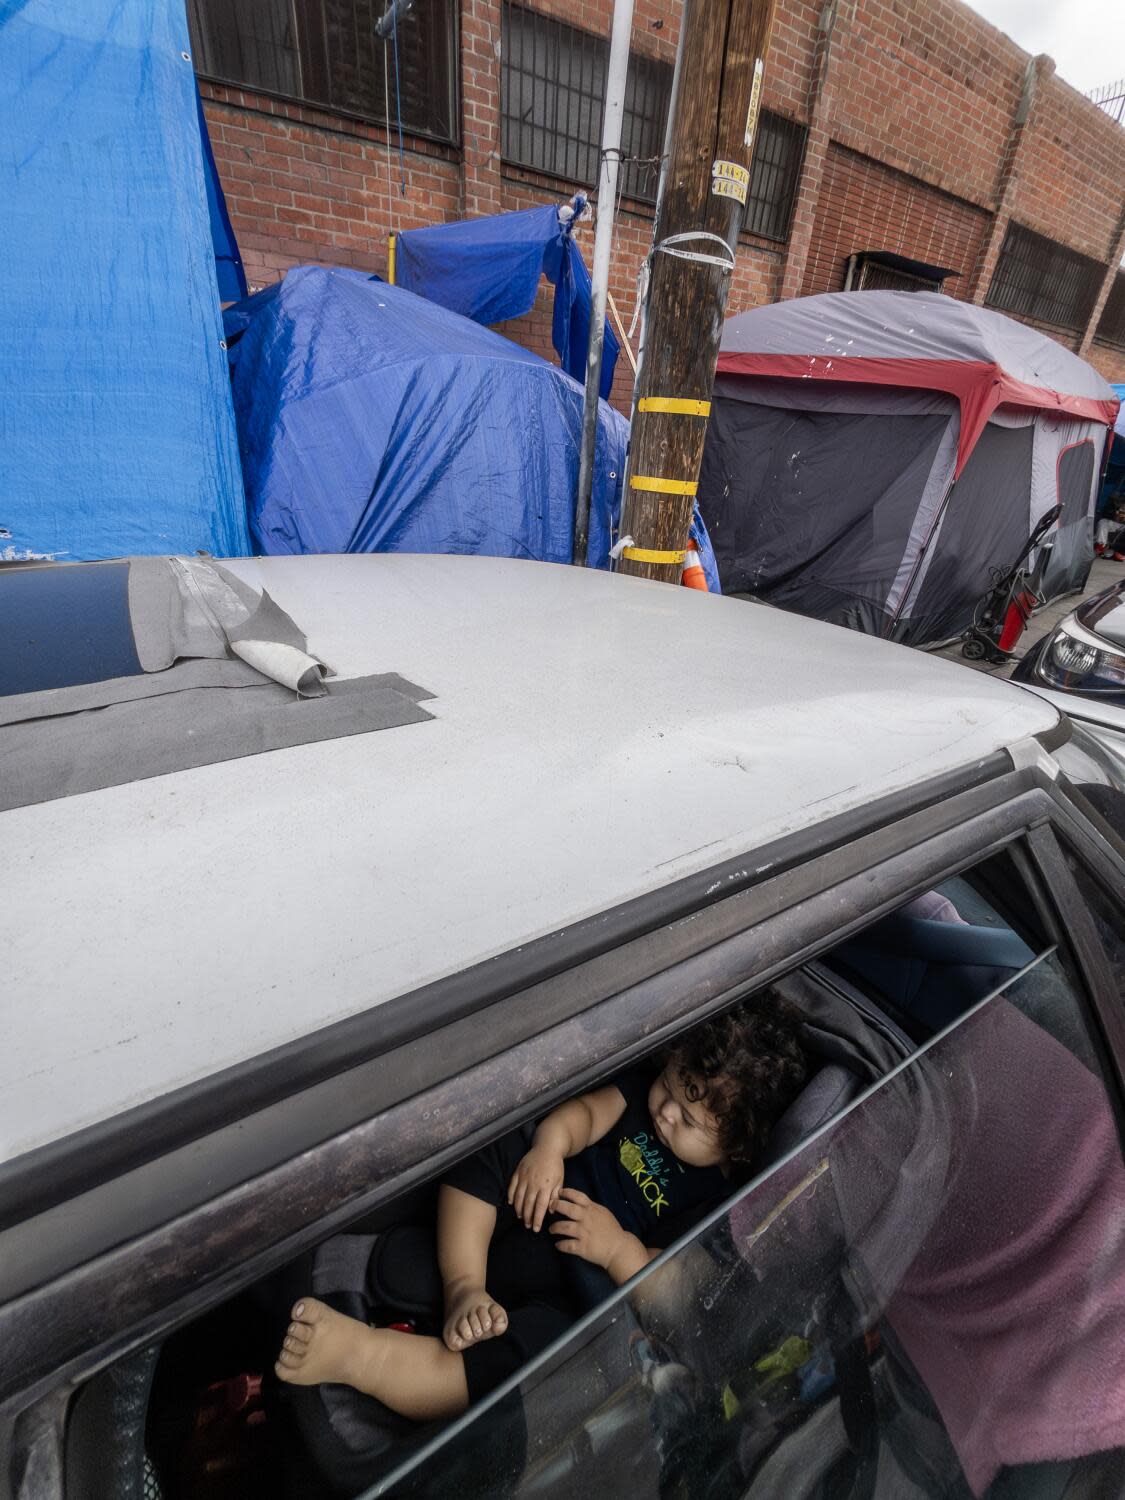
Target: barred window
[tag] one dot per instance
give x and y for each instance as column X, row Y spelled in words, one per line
column 1111, row 324
column 1042, row 280
column 325, row 53
column 778, row 150
column 552, row 95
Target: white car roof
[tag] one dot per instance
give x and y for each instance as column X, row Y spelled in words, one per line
column 594, row 738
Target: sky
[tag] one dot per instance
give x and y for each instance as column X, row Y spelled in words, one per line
column 1085, row 37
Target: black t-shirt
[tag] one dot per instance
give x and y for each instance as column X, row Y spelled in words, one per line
column 649, row 1191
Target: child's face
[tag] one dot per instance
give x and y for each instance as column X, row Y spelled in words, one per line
column 687, row 1128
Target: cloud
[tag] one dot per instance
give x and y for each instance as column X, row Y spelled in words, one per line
column 1085, row 37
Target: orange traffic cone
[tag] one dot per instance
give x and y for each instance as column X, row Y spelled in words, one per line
column 693, row 575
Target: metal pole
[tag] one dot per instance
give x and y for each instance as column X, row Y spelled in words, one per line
column 616, row 77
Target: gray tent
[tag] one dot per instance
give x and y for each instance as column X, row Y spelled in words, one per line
column 872, row 455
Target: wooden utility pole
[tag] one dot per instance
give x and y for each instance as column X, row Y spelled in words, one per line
column 695, row 239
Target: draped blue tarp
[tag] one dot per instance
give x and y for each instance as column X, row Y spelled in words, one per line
column 489, row 269
column 372, row 420
column 228, row 262
column 116, row 428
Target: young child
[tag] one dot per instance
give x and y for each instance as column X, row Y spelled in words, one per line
column 623, row 1171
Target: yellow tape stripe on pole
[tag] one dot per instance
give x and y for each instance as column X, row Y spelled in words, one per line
column 647, row 555
column 663, row 486
column 675, row 405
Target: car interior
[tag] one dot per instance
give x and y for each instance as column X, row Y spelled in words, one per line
column 796, row 1369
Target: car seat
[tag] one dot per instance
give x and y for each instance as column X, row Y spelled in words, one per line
column 928, row 963
column 105, row 1431
column 353, row 1439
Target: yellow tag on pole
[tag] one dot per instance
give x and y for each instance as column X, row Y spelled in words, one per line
column 660, row 486
column 729, row 180
column 647, row 555
column 675, row 405
column 755, row 104
column 731, row 171
column 722, row 187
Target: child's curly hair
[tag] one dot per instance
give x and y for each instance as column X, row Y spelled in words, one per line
column 747, row 1066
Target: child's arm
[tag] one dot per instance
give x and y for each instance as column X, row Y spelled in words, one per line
column 535, row 1184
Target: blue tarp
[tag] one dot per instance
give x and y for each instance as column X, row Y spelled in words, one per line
column 228, row 262
column 372, row 420
column 116, row 428
column 489, row 269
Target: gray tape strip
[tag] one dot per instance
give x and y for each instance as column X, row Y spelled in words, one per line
column 166, row 625
column 268, row 622
column 132, row 740
column 19, row 708
column 190, row 607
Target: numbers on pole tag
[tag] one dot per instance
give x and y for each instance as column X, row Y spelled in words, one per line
column 755, row 104
column 729, row 180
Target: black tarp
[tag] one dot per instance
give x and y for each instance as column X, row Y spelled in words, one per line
column 984, row 526
column 812, row 510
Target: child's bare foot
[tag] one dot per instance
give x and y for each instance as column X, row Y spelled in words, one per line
column 470, row 1317
column 323, row 1345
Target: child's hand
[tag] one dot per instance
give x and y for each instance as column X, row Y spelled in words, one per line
column 587, row 1229
column 535, row 1184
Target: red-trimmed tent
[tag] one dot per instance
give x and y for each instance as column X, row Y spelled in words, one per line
column 872, row 455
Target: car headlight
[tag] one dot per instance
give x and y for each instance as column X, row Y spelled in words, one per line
column 1075, row 660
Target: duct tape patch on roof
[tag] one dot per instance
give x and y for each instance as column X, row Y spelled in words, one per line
column 120, row 671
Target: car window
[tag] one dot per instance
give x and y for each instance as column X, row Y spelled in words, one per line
column 931, row 1287
column 1108, row 918
column 933, row 958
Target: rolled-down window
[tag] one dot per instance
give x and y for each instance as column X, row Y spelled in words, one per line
column 932, row 1283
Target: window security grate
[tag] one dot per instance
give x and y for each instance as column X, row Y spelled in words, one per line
column 325, row 53
column 551, row 102
column 1044, row 281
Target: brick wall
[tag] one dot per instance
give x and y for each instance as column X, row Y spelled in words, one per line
column 860, row 197
column 928, row 88
column 303, row 186
column 928, row 131
column 1071, row 185
column 1109, row 362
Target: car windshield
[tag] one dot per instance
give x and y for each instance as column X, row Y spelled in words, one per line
column 63, row 626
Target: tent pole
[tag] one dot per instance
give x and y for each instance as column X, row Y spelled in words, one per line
column 609, row 169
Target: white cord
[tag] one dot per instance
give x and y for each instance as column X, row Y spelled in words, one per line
column 726, row 261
